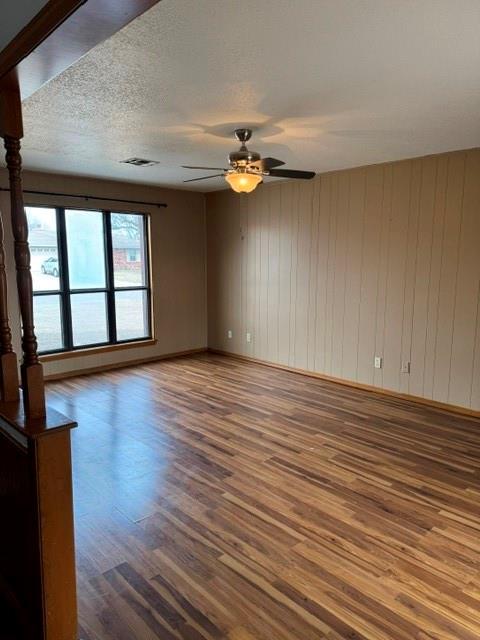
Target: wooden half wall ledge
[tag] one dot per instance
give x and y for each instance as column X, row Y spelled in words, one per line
column 434, row 404
column 37, row 558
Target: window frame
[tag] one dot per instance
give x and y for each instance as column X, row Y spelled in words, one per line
column 64, row 291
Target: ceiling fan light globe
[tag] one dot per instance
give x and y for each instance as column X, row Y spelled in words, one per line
column 243, row 182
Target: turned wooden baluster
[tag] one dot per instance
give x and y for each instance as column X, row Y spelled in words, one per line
column 31, row 369
column 8, row 359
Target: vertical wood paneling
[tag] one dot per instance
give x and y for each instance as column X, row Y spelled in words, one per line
column 381, row 298
column 448, row 275
column 264, row 233
column 251, row 271
column 235, row 276
column 330, row 294
column 381, row 260
column 371, row 250
column 323, row 257
column 313, row 280
column 465, row 354
column 240, row 338
column 273, row 275
column 304, row 204
column 396, row 268
column 434, row 276
column 339, row 271
column 410, row 272
column 353, row 274
column 291, row 192
column 285, row 270
column 422, row 275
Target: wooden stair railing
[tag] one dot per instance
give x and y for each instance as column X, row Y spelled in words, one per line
column 37, row 560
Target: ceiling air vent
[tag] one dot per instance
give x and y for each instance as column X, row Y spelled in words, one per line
column 139, row 162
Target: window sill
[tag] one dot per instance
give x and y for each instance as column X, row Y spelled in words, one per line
column 51, row 357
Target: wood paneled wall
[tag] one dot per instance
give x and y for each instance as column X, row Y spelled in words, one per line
column 379, row 260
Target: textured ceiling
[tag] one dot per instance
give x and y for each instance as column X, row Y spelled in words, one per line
column 327, row 84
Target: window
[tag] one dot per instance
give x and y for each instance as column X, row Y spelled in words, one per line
column 91, row 282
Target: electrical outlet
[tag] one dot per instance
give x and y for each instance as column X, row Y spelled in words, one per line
column 229, row 334
column 378, row 362
column 405, row 367
column 249, row 336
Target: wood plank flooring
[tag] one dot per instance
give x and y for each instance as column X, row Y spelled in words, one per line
column 221, row 499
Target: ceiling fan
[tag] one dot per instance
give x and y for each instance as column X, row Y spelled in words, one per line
column 247, row 168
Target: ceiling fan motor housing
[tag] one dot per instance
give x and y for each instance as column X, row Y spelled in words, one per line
column 242, row 157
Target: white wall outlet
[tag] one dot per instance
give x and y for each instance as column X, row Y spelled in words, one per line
column 405, row 367
column 378, row 362
column 229, row 334
column 249, row 336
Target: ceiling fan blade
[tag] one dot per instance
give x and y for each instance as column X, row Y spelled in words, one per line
column 184, row 166
column 265, row 164
column 217, row 175
column 289, row 173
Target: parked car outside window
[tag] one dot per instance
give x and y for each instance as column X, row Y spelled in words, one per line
column 50, row 266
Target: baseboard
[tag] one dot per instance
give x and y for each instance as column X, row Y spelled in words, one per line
column 435, row 404
column 121, row 365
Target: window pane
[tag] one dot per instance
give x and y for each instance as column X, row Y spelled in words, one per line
column 48, row 323
column 42, row 237
column 128, row 242
column 86, row 251
column 132, row 314
column 89, row 318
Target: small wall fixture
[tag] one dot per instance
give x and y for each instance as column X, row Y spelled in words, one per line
column 243, row 182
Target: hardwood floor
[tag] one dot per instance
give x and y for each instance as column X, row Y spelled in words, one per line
column 222, row 499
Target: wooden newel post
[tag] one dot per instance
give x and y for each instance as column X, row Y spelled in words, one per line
column 31, row 369
column 9, row 121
